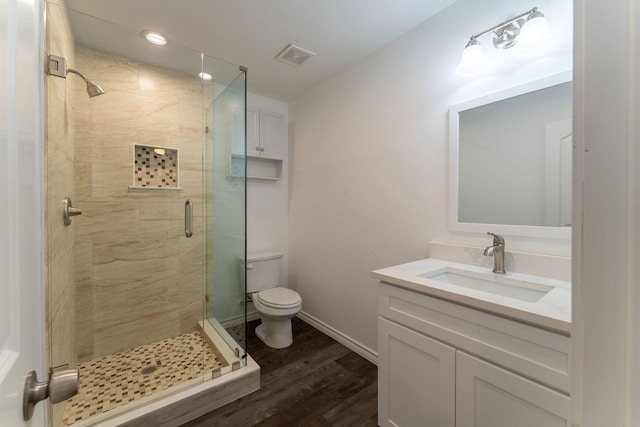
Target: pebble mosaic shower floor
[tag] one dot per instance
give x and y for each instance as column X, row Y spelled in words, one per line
column 112, row 381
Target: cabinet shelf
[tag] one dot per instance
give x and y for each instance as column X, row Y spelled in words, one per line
column 254, row 178
column 262, row 178
column 257, row 168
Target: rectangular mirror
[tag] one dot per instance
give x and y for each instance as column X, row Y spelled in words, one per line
column 510, row 161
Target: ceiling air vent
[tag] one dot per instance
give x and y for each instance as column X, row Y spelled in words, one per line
column 294, row 55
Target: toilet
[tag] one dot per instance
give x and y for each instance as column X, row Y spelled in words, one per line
column 276, row 305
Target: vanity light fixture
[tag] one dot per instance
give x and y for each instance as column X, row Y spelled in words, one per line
column 530, row 27
column 205, row 76
column 155, row 37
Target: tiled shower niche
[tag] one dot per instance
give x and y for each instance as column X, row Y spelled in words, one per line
column 155, row 167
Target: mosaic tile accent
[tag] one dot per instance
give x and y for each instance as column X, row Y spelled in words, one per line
column 155, row 167
column 115, row 380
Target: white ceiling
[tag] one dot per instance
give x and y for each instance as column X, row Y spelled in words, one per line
column 253, row 32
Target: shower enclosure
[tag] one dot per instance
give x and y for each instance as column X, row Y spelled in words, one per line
column 145, row 282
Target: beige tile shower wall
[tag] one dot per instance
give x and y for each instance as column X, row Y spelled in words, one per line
column 139, row 278
column 59, row 161
column 61, row 322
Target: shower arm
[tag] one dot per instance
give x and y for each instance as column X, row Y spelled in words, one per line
column 71, row 70
column 57, row 66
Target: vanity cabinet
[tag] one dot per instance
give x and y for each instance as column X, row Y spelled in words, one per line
column 444, row 364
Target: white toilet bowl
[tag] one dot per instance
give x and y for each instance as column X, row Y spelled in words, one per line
column 276, row 307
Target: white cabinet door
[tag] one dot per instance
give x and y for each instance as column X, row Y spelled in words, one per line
column 416, row 378
column 489, row 396
column 265, row 134
column 271, row 135
column 253, row 142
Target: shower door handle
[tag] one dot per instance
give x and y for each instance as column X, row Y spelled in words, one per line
column 188, row 218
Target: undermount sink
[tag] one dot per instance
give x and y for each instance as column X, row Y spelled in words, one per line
column 492, row 283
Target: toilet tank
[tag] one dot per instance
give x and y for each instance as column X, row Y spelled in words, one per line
column 263, row 271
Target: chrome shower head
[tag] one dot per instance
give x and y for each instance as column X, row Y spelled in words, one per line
column 93, row 89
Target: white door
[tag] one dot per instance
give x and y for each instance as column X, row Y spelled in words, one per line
column 21, row 207
column 558, row 170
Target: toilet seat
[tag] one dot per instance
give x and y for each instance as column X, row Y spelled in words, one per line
column 279, row 298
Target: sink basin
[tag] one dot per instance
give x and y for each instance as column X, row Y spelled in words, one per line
column 492, row 283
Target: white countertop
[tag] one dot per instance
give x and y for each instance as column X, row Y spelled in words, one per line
column 552, row 311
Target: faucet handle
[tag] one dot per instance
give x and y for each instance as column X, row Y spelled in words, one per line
column 497, row 239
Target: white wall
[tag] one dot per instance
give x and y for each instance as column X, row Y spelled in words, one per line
column 370, row 158
column 267, row 212
column 267, row 209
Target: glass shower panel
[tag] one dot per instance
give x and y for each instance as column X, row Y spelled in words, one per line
column 126, row 285
column 225, row 212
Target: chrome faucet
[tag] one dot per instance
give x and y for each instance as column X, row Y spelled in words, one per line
column 497, row 250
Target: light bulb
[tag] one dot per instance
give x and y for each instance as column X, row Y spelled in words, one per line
column 535, row 29
column 472, row 60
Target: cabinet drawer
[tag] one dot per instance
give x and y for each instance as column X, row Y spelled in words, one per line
column 532, row 352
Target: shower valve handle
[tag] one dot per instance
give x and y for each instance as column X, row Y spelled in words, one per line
column 69, row 211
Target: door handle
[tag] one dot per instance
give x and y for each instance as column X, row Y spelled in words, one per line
column 68, row 211
column 63, row 383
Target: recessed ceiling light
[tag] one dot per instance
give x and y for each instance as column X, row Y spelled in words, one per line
column 205, row 76
column 155, row 38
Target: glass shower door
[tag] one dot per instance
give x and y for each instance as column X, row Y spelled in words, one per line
column 225, row 214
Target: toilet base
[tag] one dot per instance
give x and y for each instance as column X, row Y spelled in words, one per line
column 275, row 334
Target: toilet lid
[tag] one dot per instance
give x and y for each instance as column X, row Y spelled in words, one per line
column 279, row 298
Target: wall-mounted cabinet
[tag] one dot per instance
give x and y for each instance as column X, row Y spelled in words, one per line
column 266, row 145
column 265, row 134
column 447, row 365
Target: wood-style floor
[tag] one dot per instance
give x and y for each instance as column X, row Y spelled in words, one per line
column 315, row 382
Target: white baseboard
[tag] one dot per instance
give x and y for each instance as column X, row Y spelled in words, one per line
column 343, row 339
column 252, row 315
